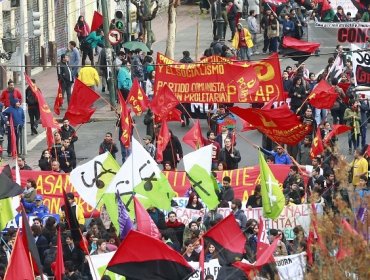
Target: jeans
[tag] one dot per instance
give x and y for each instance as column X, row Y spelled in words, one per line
column 232, row 24
column 87, row 51
column 125, row 152
column 34, row 115
column 66, row 88
column 243, row 53
column 363, row 134
column 320, row 115
column 266, row 42
column 273, row 44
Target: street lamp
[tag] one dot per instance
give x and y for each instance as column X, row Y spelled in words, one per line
column 220, row 21
column 9, row 46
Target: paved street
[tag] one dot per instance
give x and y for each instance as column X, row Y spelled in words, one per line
column 91, row 134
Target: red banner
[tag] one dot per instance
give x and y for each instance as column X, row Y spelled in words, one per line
column 243, row 181
column 219, row 80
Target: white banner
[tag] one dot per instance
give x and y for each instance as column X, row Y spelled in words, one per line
column 349, row 24
column 98, row 265
column 210, row 268
column 290, row 217
column 292, row 267
column 361, row 66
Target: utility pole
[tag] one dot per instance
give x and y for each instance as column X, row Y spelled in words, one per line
column 23, row 80
column 109, row 56
column 128, row 20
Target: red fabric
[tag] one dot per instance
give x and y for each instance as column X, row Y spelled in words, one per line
column 300, row 45
column 162, row 140
column 137, row 98
column 310, row 243
column 173, row 116
column 337, row 129
column 29, row 243
column 79, row 109
column 58, row 99
column 317, row 146
column 323, row 95
column 19, row 266
column 49, row 137
column 194, row 137
column 247, row 126
column 155, row 250
column 13, row 138
column 144, row 222
column 279, row 124
column 59, row 264
column 46, row 116
column 275, row 2
column 97, row 21
column 4, row 98
column 265, row 258
column 201, row 259
column 125, row 122
column 164, row 102
column 262, row 241
column 175, row 224
column 325, row 6
column 228, row 234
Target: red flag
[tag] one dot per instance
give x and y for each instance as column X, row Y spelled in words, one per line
column 74, row 227
column 325, row 6
column 310, row 243
column 49, row 137
column 97, row 21
column 317, row 146
column 228, row 239
column 279, row 124
column 173, row 116
column 194, row 136
column 137, row 98
column 337, row 129
column 266, row 257
column 13, row 138
column 262, row 240
column 345, row 249
column 79, row 109
column 46, row 115
column 323, row 95
column 126, row 122
column 276, row 2
column 162, row 140
column 144, row 222
column 201, row 259
column 164, row 102
column 247, row 126
column 59, row 263
column 159, row 261
column 19, row 266
column 300, row 45
column 29, row 243
column 58, row 99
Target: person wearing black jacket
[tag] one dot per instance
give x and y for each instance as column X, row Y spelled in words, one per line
column 67, row 157
column 68, row 132
column 33, row 108
column 45, row 161
column 65, row 76
column 173, row 151
column 229, row 155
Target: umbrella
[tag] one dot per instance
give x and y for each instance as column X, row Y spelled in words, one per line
column 133, row 45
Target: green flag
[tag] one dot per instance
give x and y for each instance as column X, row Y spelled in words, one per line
column 203, row 184
column 273, row 199
column 6, row 212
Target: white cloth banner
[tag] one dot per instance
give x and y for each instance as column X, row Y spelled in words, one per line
column 210, row 268
column 292, row 267
column 98, row 264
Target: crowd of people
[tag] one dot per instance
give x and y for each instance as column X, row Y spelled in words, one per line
column 310, row 180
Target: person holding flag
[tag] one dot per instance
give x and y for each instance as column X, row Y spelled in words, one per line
column 15, row 116
column 352, row 119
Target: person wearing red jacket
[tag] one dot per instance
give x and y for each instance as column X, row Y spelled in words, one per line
column 10, row 95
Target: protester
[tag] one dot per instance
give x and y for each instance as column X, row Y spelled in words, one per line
column 255, row 200
column 17, row 114
column 68, row 132
column 82, row 29
column 188, row 252
column 242, row 41
column 29, row 194
column 229, row 155
column 280, row 156
column 65, row 77
column 33, row 108
column 67, row 157
column 21, row 162
column 75, row 58
column 194, row 203
column 55, row 167
column 89, row 76
column 108, row 145
column 10, row 95
column 149, row 147
column 124, row 79
column 236, row 206
column 93, row 40
column 36, row 208
column 173, row 151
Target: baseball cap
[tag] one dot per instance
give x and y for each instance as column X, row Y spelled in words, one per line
column 148, row 137
column 38, row 197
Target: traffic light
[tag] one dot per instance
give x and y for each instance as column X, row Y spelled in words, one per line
column 15, row 3
column 36, row 23
column 119, row 20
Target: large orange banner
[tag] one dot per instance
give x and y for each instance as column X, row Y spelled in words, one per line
column 220, row 80
column 243, row 181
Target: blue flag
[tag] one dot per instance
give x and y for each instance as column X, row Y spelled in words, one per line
column 125, row 224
